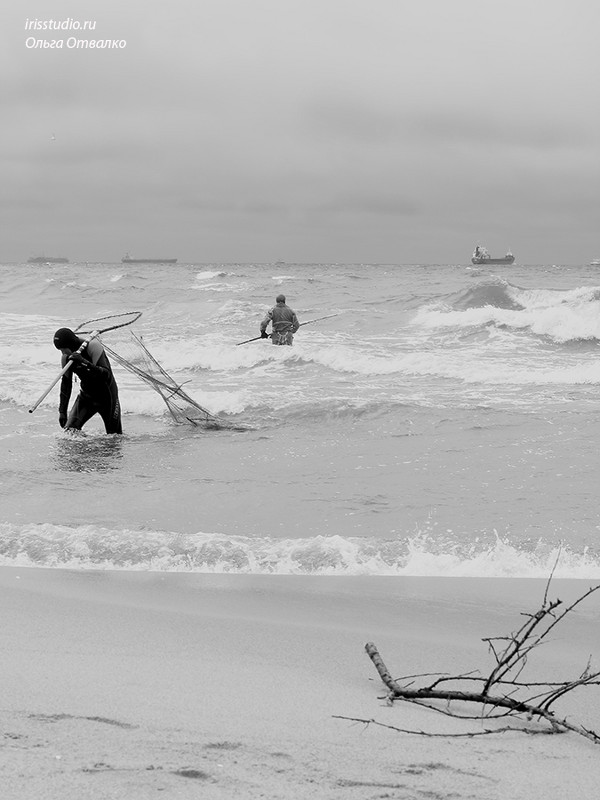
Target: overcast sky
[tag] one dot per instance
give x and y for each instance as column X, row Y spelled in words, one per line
column 303, row 130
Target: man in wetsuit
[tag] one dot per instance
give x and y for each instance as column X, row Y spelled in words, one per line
column 98, row 392
column 284, row 320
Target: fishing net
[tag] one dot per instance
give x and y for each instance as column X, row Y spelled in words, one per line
column 135, row 357
column 142, row 363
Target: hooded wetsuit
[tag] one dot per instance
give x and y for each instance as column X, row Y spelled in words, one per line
column 98, row 392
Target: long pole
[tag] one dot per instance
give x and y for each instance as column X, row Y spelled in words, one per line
column 308, row 322
column 66, row 368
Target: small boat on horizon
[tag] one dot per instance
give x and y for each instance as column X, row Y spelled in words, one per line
column 128, row 260
column 47, row 260
column 595, row 262
column 482, row 256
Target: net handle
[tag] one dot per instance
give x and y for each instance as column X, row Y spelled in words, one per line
column 66, row 368
column 308, row 322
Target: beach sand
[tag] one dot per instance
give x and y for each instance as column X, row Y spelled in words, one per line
column 135, row 685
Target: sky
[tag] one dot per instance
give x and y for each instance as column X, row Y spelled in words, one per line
column 362, row 131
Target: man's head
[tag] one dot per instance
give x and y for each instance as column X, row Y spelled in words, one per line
column 280, row 298
column 65, row 339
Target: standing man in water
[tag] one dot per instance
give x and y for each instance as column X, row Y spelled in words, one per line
column 98, row 392
column 284, row 320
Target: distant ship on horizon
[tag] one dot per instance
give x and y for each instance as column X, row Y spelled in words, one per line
column 128, row 260
column 47, row 260
column 481, row 256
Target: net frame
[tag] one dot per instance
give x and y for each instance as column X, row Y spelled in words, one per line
column 88, row 327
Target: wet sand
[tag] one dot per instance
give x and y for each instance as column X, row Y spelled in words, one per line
column 123, row 684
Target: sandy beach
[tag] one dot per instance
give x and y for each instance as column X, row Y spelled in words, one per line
column 121, row 684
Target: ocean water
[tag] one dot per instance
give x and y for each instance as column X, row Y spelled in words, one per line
column 445, row 422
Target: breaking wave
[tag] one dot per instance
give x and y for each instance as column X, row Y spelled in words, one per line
column 561, row 315
column 90, row 547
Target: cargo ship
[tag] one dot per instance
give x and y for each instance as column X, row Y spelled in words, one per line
column 128, row 260
column 481, row 256
column 47, row 260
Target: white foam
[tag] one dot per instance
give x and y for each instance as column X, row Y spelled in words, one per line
column 206, row 275
column 91, row 547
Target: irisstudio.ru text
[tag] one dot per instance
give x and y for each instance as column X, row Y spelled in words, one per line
column 68, row 24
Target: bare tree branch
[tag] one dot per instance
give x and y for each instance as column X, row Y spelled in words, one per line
column 501, row 694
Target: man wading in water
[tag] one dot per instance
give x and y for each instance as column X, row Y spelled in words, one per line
column 285, row 323
column 98, row 393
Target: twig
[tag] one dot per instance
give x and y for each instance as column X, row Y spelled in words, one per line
column 501, row 693
column 466, row 735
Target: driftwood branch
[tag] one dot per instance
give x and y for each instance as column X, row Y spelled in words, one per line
column 501, row 693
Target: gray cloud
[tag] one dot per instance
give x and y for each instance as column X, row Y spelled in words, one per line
column 333, row 130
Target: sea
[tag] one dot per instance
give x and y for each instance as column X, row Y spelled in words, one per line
column 445, row 422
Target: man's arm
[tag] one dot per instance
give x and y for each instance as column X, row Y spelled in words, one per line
column 268, row 318
column 95, row 360
column 66, row 385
